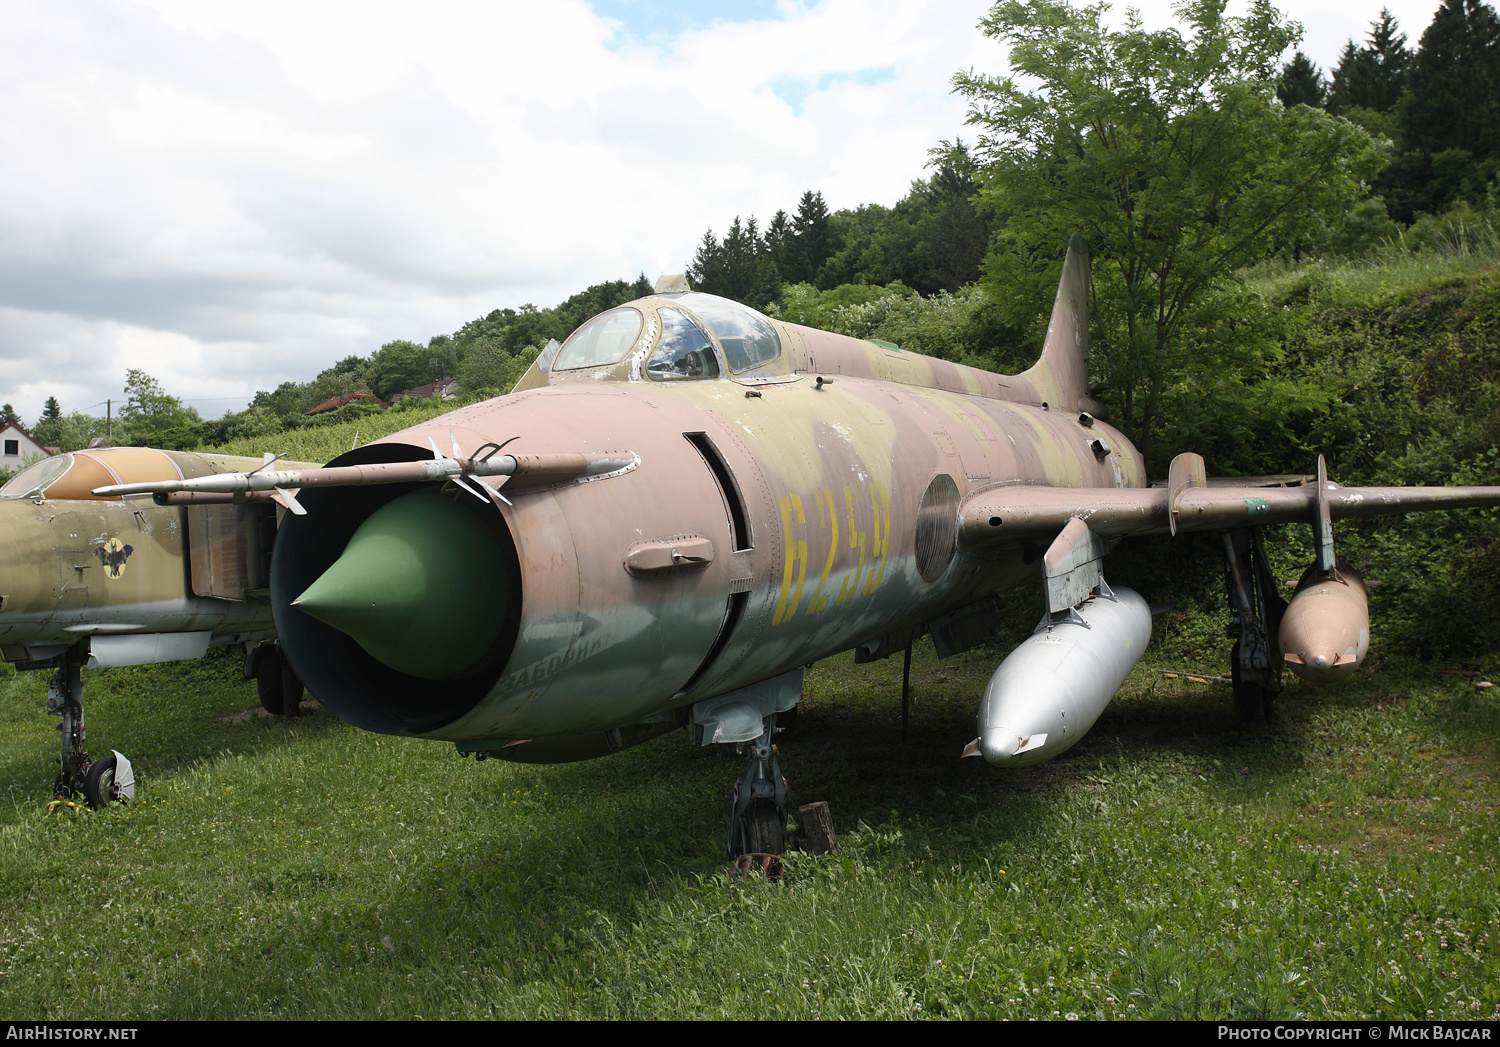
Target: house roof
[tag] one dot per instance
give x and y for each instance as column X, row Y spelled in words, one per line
column 427, row 390
column 345, row 398
column 19, row 428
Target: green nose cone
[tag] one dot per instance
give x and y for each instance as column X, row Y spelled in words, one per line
column 422, row 586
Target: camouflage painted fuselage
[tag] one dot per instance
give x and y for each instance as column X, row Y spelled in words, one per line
column 802, row 508
column 73, row 566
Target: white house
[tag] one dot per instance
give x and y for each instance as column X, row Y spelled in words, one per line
column 18, row 449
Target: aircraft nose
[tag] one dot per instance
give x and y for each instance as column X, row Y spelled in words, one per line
column 28, row 573
column 421, row 586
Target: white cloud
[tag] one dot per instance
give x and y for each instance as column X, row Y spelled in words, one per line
column 232, row 195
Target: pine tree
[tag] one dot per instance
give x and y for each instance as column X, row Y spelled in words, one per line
column 1301, row 83
column 1346, row 80
column 1389, row 60
column 812, row 239
column 1453, row 88
column 767, row 287
column 705, row 270
column 1371, row 77
column 951, row 234
column 779, row 240
column 52, row 409
column 741, row 251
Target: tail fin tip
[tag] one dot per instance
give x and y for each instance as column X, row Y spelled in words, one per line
column 1061, row 376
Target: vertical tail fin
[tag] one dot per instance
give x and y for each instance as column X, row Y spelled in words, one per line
column 1061, row 376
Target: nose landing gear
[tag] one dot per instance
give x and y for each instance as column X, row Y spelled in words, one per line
column 100, row 782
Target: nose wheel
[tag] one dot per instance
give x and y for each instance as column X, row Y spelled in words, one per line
column 100, row 782
column 109, row 780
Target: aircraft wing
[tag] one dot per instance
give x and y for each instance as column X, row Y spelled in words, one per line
column 1189, row 502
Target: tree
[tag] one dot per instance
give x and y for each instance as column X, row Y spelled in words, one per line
column 71, row 432
column 932, row 240
column 812, row 239
column 488, row 368
column 1371, row 77
column 52, row 409
column 740, row 254
column 1448, row 118
column 743, row 266
column 401, row 365
column 1301, row 83
column 779, row 240
column 1453, row 88
column 705, row 271
column 151, row 417
column 1168, row 152
column 1389, row 58
column 951, row 235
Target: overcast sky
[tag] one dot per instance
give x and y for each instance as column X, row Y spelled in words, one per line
column 231, row 195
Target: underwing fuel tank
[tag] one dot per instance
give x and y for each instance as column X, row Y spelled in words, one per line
column 1325, row 631
column 1050, row 690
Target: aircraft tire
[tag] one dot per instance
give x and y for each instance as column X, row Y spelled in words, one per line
column 270, row 682
column 99, row 783
column 1252, row 702
column 291, row 688
column 763, row 830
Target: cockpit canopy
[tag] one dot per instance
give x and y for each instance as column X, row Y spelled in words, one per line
column 684, row 350
column 672, row 337
column 603, row 340
column 75, row 474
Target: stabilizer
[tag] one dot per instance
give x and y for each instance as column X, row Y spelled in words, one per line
column 1061, row 376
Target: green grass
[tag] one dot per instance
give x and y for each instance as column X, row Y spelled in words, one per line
column 1340, row 863
column 1366, row 283
column 322, row 443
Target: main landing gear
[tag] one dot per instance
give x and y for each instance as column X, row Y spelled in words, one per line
column 99, row 782
column 758, row 809
column 276, row 683
column 1255, row 608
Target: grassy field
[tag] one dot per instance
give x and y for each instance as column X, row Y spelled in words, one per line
column 323, row 443
column 1339, row 863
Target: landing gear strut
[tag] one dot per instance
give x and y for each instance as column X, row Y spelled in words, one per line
column 1255, row 609
column 276, row 683
column 758, row 809
column 102, row 781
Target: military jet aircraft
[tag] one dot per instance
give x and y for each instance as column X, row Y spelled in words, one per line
column 90, row 581
column 688, row 502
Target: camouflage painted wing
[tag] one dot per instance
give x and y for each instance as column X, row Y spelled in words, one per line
column 1190, row 502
